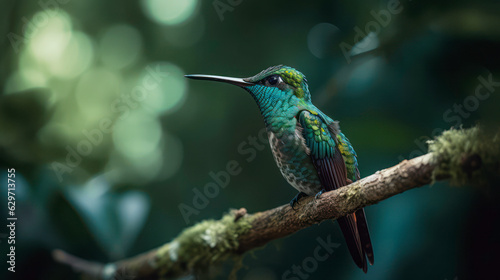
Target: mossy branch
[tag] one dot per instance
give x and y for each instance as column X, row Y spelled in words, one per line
column 463, row 156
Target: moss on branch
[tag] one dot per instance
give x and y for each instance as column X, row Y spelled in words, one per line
column 466, row 156
column 202, row 245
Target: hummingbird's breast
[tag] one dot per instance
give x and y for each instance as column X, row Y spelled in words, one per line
column 292, row 157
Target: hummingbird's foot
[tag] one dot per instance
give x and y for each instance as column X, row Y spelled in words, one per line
column 319, row 194
column 296, row 199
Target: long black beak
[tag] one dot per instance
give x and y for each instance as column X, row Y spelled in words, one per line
column 234, row 81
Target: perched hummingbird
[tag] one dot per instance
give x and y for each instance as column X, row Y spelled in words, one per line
column 309, row 149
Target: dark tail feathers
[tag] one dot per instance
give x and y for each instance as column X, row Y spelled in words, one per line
column 355, row 230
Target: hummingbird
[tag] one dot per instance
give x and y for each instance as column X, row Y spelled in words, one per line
column 311, row 152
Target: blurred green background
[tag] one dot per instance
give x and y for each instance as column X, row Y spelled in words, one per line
column 108, row 138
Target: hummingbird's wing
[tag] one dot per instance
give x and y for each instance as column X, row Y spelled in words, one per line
column 351, row 163
column 325, row 151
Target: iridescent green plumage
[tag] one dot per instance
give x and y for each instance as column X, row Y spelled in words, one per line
column 309, row 149
column 289, row 75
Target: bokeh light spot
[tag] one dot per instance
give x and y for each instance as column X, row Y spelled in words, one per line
column 148, row 165
column 75, row 58
column 137, row 135
column 165, row 91
column 120, row 46
column 96, row 92
column 49, row 37
column 321, row 39
column 169, row 12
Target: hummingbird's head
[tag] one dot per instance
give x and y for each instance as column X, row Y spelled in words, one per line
column 280, row 78
column 274, row 82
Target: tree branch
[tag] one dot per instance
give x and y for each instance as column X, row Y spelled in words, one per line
column 463, row 156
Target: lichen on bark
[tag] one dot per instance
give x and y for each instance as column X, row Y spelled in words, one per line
column 198, row 247
column 466, row 156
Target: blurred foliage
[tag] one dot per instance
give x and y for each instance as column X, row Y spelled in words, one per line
column 108, row 138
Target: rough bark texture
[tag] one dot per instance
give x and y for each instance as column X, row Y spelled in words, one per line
column 458, row 154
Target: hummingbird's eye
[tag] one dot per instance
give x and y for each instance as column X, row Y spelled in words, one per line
column 273, row 80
